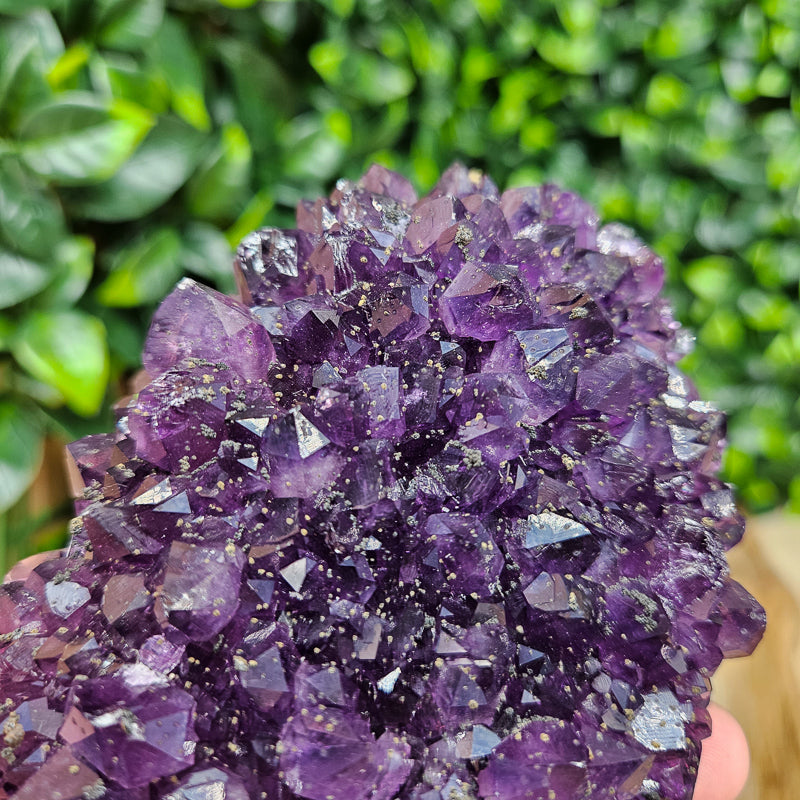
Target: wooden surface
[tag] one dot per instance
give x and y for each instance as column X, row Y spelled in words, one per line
column 763, row 690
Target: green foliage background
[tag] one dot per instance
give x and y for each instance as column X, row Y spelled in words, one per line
column 140, row 139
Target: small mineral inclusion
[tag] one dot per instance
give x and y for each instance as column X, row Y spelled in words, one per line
column 428, row 512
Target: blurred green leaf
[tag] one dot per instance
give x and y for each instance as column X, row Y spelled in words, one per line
column 774, row 81
column 666, row 94
column 251, row 218
column 763, row 311
column 761, row 494
column 68, row 65
column 217, row 189
column 685, row 30
column 265, row 94
column 312, row 153
column 28, row 47
column 20, row 452
column 339, row 124
column 125, row 336
column 207, row 254
column 579, row 16
column 478, row 64
column 159, row 167
column 783, row 352
column 711, row 278
column 20, row 278
column 379, row 81
column 144, row 271
column 794, row 494
column 537, row 133
column 66, row 349
column 15, row 53
column 24, row 6
column 361, row 73
column 783, row 164
column 723, row 330
column 327, row 58
column 738, row 465
column 582, row 54
column 616, row 202
column 127, row 24
column 73, row 258
column 132, row 81
column 6, row 332
column 77, row 139
column 740, row 79
column 775, row 263
column 173, row 55
column 31, row 219
column 516, row 89
column 431, row 57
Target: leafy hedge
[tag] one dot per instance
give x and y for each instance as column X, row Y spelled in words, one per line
column 140, row 139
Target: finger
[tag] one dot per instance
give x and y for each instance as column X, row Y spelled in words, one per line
column 725, row 759
column 22, row 569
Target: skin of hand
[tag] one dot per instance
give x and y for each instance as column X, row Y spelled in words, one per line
column 725, row 759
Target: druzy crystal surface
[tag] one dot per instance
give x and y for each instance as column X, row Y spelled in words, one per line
column 427, row 513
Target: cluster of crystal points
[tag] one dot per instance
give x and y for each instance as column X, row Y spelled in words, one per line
column 430, row 514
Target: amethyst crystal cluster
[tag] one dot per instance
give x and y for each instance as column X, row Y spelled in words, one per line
column 429, row 513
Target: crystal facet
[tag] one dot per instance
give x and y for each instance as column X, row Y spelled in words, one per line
column 428, row 512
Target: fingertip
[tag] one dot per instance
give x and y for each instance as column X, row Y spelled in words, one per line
column 725, row 759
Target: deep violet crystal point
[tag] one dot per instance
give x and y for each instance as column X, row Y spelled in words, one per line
column 428, row 512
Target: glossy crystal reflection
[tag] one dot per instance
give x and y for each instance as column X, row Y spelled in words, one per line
column 428, row 512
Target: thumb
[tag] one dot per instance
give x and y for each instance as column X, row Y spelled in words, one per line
column 725, row 759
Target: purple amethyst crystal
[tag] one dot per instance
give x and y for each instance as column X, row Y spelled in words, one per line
column 429, row 513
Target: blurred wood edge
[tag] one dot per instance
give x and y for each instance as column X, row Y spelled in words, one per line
column 39, row 519
column 49, row 488
column 763, row 690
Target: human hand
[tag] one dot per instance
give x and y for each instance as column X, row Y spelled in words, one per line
column 725, row 759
